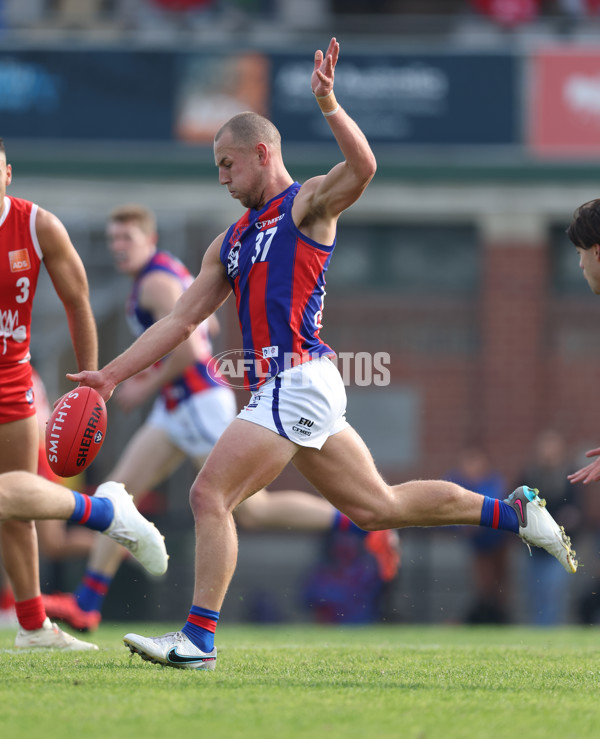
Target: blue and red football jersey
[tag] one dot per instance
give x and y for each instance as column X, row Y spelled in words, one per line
column 196, row 377
column 278, row 278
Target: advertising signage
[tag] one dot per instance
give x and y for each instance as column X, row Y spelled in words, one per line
column 564, row 104
column 102, row 95
column 128, row 95
column 429, row 99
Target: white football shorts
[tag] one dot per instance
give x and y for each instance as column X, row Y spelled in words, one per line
column 306, row 403
column 197, row 422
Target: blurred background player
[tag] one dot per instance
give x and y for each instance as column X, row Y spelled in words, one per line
column 28, row 236
column 549, row 468
column 190, row 412
column 490, row 549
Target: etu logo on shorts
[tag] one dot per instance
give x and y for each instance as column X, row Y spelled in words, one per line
column 301, row 426
column 19, row 260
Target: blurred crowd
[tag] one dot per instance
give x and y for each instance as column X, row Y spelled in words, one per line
column 232, row 15
column 544, row 584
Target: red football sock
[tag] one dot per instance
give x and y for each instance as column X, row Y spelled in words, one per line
column 31, row 613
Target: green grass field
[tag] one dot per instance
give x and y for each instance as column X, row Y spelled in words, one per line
column 289, row 682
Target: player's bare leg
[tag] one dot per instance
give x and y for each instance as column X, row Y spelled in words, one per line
column 25, row 496
column 19, row 451
column 240, row 464
column 344, row 472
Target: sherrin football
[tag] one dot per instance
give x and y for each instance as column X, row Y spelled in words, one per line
column 75, row 431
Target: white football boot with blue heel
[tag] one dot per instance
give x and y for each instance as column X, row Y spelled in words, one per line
column 538, row 529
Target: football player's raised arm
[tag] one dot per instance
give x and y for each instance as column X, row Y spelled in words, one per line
column 346, row 182
column 208, row 292
column 323, row 198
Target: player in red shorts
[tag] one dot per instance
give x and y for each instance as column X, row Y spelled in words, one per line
column 57, row 541
column 29, row 235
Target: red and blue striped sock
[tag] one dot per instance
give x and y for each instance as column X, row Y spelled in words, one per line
column 92, row 591
column 95, row 513
column 341, row 522
column 200, row 627
column 496, row 514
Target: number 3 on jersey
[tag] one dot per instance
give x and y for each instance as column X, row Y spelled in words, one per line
column 23, row 285
column 263, row 249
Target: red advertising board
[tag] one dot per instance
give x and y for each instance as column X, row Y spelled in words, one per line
column 564, row 103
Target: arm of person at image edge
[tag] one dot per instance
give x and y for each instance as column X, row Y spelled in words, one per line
column 159, row 293
column 589, row 473
column 69, row 278
column 316, row 208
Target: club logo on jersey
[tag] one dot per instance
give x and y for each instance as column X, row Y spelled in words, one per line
column 233, row 260
column 19, row 260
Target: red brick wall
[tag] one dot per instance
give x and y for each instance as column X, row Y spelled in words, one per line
column 511, row 360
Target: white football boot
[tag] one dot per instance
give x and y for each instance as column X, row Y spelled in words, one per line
column 51, row 637
column 173, row 649
column 538, row 528
column 133, row 531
